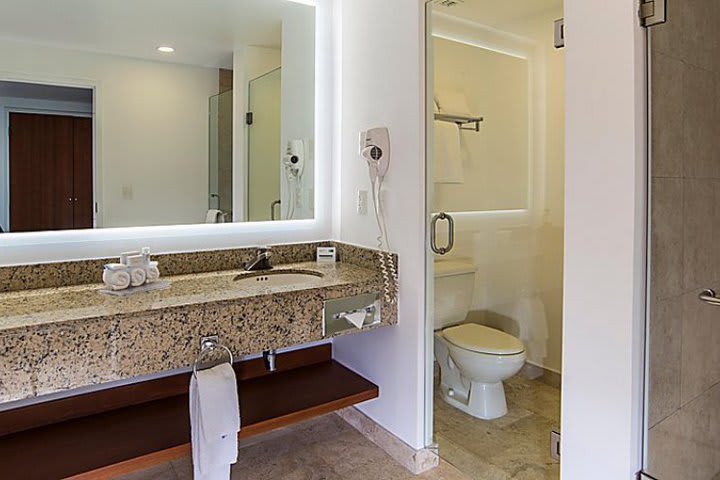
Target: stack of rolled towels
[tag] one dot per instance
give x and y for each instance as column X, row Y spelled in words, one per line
column 135, row 269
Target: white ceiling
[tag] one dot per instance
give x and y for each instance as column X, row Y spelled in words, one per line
column 499, row 13
column 203, row 32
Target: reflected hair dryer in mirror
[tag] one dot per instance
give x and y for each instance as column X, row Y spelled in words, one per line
column 294, row 166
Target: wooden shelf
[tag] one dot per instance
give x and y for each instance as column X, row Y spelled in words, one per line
column 116, row 439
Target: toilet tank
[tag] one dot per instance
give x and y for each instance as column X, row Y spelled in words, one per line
column 453, row 292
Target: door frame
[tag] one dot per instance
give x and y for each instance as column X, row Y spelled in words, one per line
column 26, row 106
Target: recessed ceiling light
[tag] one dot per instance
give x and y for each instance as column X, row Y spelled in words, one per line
column 165, row 49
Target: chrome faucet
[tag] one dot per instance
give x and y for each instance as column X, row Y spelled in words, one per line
column 261, row 260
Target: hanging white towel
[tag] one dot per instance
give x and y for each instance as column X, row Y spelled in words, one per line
column 452, row 103
column 448, row 154
column 214, row 421
column 214, row 216
column 529, row 312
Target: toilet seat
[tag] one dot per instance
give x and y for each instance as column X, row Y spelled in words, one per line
column 482, row 339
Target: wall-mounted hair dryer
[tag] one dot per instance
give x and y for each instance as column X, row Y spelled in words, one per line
column 375, row 149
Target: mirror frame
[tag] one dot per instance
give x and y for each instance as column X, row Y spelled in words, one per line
column 55, row 246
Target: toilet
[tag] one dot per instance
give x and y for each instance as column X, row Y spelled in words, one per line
column 474, row 359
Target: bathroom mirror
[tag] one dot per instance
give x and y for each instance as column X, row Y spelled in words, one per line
column 124, row 113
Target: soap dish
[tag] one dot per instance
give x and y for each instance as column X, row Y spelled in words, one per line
column 148, row 287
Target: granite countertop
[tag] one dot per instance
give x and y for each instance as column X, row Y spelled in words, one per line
column 41, row 307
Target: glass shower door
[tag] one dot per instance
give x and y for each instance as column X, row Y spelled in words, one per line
column 221, row 155
column 682, row 439
column 264, row 155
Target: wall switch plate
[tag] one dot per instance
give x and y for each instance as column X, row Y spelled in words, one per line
column 362, row 202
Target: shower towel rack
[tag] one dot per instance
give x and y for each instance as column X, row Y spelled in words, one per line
column 460, row 120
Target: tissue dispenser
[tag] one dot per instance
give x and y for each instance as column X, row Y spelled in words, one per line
column 337, row 310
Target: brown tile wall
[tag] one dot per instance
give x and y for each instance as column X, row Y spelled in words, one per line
column 684, row 403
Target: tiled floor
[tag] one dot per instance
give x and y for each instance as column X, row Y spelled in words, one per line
column 515, row 446
column 323, row 449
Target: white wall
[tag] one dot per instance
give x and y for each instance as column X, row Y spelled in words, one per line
column 298, row 117
column 151, row 129
column 381, row 46
column 604, row 240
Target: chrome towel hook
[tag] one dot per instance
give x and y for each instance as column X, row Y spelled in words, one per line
column 210, row 344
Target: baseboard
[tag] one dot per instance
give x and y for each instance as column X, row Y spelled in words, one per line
column 416, row 461
column 542, row 374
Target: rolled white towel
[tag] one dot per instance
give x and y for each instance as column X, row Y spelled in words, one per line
column 153, row 272
column 116, row 276
column 452, row 102
column 138, row 275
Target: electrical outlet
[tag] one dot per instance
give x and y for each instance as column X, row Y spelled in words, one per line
column 362, row 202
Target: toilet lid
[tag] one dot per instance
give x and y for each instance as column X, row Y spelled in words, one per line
column 481, row 339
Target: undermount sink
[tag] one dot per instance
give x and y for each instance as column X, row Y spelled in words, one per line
column 278, row 278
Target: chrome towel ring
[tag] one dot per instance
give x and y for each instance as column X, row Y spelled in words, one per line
column 207, row 345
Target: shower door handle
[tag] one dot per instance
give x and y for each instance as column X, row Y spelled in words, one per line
column 708, row 296
column 433, row 233
column 274, row 204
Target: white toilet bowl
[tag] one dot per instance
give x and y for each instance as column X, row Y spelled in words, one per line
column 474, row 360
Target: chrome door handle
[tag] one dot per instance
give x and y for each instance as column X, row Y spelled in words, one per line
column 433, row 233
column 272, row 209
column 708, row 296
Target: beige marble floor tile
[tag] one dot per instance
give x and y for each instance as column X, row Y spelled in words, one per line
column 514, row 447
column 182, row 468
column 159, row 472
column 467, row 462
column 444, row 471
column 533, row 395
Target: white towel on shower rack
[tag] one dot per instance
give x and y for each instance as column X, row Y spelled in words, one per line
column 447, row 153
column 452, row 102
column 214, row 422
column 214, row 216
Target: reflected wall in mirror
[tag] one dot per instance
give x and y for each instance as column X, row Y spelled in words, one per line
column 162, row 112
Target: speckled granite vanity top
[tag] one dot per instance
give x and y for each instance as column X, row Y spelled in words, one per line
column 59, row 333
column 61, row 304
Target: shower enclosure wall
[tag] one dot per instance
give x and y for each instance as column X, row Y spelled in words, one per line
column 683, row 359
